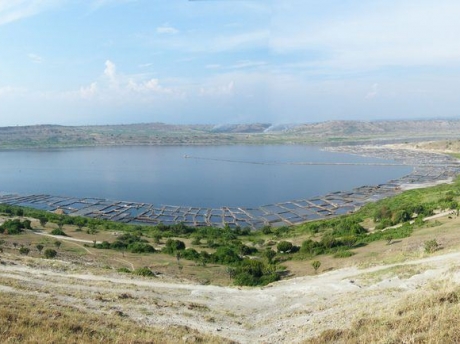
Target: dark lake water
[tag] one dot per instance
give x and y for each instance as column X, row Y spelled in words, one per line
column 211, row 176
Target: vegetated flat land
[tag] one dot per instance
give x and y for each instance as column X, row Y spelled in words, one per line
column 333, row 132
column 379, row 294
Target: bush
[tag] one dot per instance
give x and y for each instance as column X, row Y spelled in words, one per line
column 58, row 231
column 284, row 246
column 140, row 247
column 39, row 247
column 145, row 271
column 316, row 264
column 12, row 227
column 190, row 254
column 254, row 272
column 225, row 255
column 431, row 246
column 24, row 251
column 172, row 246
column 50, row 253
column 343, row 254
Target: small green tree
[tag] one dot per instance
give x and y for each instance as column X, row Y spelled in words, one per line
column 431, row 246
column 144, row 271
column 269, row 254
column 39, row 247
column 284, row 246
column 157, row 238
column 43, row 221
column 316, row 264
column 50, row 253
column 389, row 239
column 58, row 231
column 24, row 251
column 58, row 244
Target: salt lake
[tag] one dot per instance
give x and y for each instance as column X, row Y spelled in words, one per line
column 199, row 176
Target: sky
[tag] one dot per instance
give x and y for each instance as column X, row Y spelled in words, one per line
column 81, row 62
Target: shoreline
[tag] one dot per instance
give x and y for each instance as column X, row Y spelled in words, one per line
column 429, row 169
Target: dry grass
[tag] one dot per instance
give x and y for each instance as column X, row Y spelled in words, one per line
column 422, row 318
column 28, row 319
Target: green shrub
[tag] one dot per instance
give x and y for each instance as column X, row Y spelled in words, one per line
column 140, row 247
column 316, row 264
column 343, row 254
column 58, row 231
column 145, row 271
column 284, row 246
column 431, row 246
column 50, row 253
column 24, row 251
column 12, row 227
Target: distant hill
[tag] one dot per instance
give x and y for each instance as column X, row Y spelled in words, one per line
column 47, row 136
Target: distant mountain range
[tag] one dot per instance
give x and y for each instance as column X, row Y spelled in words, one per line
column 44, row 136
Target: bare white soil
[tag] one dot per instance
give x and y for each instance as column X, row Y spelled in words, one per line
column 289, row 311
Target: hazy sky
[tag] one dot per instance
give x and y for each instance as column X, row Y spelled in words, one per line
column 226, row 61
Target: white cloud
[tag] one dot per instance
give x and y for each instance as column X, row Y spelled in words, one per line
column 152, row 86
column 167, row 29
column 218, row 90
column 145, row 65
column 110, row 72
column 373, row 91
column 13, row 10
column 373, row 35
column 10, row 90
column 248, row 64
column 89, row 91
column 35, row 58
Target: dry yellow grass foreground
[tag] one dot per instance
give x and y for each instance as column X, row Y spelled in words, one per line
column 55, row 301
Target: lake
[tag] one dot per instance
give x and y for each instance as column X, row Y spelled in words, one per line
column 204, row 176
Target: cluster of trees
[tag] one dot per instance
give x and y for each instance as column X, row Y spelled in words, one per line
column 128, row 242
column 229, row 251
column 15, row 226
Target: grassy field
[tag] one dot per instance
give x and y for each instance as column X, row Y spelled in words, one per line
column 29, row 310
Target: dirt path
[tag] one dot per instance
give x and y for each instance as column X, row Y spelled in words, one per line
column 60, row 237
column 285, row 312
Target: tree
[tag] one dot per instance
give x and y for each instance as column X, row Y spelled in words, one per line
column 389, row 239
column 431, row 246
column 157, row 238
column 50, row 253
column 27, row 224
column 79, row 222
column 39, row 247
column 58, row 244
column 58, row 231
column 270, row 254
column 24, row 251
column 267, row 230
column 316, row 264
column 43, row 221
column 349, row 241
column 284, row 246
